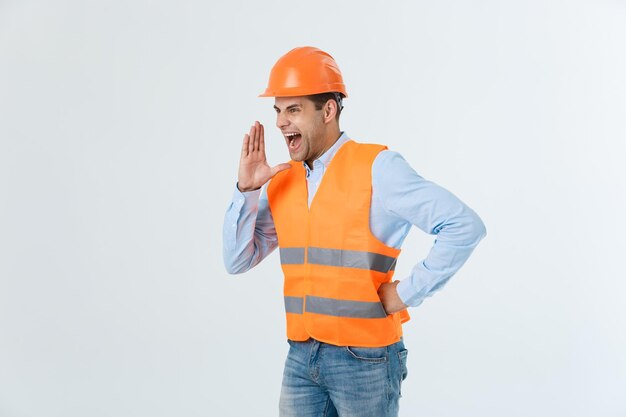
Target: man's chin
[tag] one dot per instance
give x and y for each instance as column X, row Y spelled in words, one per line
column 296, row 157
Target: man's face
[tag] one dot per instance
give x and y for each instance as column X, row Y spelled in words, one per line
column 302, row 127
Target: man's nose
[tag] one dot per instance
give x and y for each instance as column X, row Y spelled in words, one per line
column 281, row 121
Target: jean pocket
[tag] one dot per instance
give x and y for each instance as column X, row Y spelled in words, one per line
column 403, row 369
column 371, row 355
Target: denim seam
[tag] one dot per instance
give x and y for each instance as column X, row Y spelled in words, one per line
column 327, row 404
column 402, row 368
column 315, row 357
column 389, row 384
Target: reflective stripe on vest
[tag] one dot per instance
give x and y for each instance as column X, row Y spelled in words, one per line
column 291, row 256
column 338, row 257
column 336, row 308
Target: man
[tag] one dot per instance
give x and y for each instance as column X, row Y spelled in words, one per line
column 339, row 212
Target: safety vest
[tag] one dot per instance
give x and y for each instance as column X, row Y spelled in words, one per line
column 333, row 265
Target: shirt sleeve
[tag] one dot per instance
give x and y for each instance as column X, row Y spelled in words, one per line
column 433, row 209
column 249, row 234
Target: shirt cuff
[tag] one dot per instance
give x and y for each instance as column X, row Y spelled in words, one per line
column 246, row 200
column 407, row 293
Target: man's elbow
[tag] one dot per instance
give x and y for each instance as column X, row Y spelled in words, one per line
column 479, row 230
column 236, row 269
column 232, row 270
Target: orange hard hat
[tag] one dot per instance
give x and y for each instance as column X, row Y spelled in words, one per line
column 304, row 71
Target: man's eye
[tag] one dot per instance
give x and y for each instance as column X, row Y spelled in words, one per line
column 293, row 110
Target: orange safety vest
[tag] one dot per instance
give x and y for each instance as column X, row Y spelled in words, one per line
column 333, row 265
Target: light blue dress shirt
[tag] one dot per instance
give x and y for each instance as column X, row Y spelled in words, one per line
column 400, row 199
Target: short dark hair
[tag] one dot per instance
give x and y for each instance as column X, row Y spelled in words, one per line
column 320, row 99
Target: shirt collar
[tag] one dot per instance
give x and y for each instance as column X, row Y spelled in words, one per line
column 327, row 156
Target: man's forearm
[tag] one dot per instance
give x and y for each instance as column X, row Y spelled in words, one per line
column 249, row 234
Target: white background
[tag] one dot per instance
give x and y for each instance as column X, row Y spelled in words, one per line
column 120, row 129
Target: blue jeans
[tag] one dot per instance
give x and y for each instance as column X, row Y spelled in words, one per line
column 322, row 380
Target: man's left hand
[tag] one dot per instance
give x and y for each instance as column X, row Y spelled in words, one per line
column 389, row 297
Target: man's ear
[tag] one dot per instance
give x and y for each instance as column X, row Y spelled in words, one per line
column 330, row 110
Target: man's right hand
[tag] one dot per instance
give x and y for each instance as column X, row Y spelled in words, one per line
column 254, row 171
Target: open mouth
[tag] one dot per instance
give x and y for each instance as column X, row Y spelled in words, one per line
column 294, row 140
